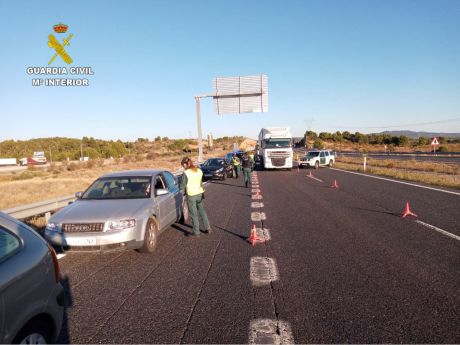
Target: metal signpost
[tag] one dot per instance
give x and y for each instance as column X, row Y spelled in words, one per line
column 234, row 95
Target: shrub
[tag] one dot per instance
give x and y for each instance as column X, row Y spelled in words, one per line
column 72, row 166
column 151, row 155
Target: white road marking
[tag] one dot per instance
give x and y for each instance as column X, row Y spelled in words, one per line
column 255, row 190
column 258, row 216
column 266, row 331
column 396, row 181
column 444, row 232
column 263, row 271
column 257, row 196
column 263, row 234
column 314, row 178
column 257, row 204
column 61, row 255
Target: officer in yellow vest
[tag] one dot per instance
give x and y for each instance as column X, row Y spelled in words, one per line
column 192, row 183
column 236, row 164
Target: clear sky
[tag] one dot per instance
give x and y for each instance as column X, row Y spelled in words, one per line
column 367, row 66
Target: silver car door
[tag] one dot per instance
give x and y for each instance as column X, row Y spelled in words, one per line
column 174, row 190
column 165, row 203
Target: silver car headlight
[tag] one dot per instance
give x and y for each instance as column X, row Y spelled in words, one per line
column 52, row 226
column 121, row 224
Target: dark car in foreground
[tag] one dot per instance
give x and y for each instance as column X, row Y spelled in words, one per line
column 31, row 294
column 217, row 168
column 126, row 209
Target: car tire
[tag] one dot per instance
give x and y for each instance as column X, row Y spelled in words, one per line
column 35, row 332
column 150, row 236
column 331, row 163
column 184, row 212
column 316, row 165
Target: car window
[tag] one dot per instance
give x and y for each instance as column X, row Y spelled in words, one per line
column 171, row 182
column 326, row 153
column 159, row 183
column 119, row 187
column 313, row 154
column 321, row 154
column 9, row 244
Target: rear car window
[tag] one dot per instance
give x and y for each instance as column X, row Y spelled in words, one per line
column 9, row 244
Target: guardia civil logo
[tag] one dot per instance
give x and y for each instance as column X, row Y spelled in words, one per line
column 54, row 44
column 60, row 74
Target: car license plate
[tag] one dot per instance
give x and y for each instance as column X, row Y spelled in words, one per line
column 207, row 175
column 83, row 241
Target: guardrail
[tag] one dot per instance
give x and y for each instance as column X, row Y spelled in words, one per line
column 30, row 210
column 26, row 211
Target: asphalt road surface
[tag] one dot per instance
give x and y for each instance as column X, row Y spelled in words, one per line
column 337, row 266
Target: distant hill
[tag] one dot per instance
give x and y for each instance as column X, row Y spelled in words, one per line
column 415, row 135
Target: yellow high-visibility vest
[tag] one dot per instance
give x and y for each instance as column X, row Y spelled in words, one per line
column 194, row 182
column 236, row 161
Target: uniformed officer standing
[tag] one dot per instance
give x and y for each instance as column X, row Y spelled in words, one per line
column 247, row 164
column 236, row 164
column 192, row 183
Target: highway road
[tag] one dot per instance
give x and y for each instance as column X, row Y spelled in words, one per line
column 336, row 266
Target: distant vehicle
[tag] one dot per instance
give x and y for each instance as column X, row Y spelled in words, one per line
column 37, row 159
column 127, row 209
column 31, row 295
column 217, row 168
column 274, row 145
column 238, row 153
column 7, row 161
column 318, row 158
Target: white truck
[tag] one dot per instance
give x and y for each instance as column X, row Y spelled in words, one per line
column 7, row 161
column 274, row 148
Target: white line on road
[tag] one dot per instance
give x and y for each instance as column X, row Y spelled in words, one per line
column 255, row 190
column 314, row 178
column 396, row 181
column 257, row 204
column 258, row 216
column 257, row 196
column 263, row 271
column 444, row 232
column 60, row 255
column 266, row 331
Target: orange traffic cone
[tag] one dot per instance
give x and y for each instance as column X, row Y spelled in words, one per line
column 253, row 239
column 335, row 185
column 407, row 211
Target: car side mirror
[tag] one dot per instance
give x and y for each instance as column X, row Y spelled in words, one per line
column 78, row 195
column 161, row 191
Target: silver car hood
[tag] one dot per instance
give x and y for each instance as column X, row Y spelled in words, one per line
column 83, row 211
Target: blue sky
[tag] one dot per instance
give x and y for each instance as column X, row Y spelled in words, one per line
column 333, row 65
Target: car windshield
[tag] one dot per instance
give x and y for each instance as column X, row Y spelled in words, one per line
column 213, row 162
column 313, row 154
column 128, row 187
column 277, row 143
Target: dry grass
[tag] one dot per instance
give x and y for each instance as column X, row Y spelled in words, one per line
column 438, row 174
column 34, row 185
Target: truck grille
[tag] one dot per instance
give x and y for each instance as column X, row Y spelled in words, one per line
column 278, row 154
column 278, row 162
column 83, row 227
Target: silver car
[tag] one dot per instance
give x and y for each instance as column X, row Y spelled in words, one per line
column 127, row 209
column 31, row 295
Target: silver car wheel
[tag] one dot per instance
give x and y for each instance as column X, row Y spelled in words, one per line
column 34, row 338
column 150, row 236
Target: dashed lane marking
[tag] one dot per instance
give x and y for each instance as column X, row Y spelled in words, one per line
column 395, row 181
column 255, row 190
column 444, row 232
column 263, row 271
column 267, row 331
column 257, row 196
column 263, row 234
column 257, row 204
column 258, row 216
